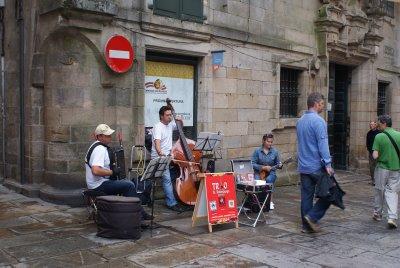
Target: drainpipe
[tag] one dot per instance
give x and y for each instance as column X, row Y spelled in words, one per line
column 3, row 115
column 21, row 24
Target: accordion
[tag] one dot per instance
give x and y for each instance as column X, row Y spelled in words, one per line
column 117, row 162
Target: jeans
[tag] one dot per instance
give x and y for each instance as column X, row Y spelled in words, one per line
column 271, row 178
column 314, row 211
column 122, row 187
column 115, row 187
column 168, row 190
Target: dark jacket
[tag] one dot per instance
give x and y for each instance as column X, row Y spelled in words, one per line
column 370, row 139
column 329, row 189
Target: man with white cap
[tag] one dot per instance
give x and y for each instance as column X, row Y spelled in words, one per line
column 98, row 169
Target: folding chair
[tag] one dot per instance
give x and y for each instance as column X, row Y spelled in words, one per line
column 90, row 196
column 136, row 171
column 244, row 174
column 137, row 166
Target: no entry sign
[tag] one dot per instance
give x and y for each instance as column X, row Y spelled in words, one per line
column 119, row 54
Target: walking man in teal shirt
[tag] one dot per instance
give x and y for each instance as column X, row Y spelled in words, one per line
column 387, row 172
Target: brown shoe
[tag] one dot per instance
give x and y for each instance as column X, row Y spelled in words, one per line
column 376, row 216
column 313, row 225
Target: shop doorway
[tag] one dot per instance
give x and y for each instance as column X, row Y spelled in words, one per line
column 338, row 114
column 175, row 77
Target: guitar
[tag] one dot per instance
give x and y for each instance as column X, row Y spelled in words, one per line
column 264, row 174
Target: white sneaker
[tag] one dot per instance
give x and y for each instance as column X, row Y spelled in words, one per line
column 272, row 206
column 392, row 224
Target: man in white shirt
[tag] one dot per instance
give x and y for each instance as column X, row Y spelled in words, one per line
column 161, row 146
column 98, row 169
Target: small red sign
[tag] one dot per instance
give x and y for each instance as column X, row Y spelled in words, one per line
column 119, row 54
column 221, row 198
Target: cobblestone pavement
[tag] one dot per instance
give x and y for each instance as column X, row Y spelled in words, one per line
column 34, row 233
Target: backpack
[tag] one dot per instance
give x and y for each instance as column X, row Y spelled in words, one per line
column 110, row 155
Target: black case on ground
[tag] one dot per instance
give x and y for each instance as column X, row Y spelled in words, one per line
column 118, row 217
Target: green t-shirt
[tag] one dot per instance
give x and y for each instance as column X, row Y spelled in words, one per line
column 388, row 158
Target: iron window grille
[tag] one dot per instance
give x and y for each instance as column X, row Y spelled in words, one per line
column 381, row 7
column 388, row 8
column 289, row 92
column 382, row 98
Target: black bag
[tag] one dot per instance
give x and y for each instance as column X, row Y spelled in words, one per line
column 118, row 217
column 148, row 140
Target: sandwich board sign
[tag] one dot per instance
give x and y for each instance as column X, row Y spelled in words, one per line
column 216, row 200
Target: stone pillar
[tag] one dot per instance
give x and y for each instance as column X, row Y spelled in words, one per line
column 74, row 103
column 363, row 100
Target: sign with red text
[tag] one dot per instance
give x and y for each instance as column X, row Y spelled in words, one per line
column 221, row 198
column 119, row 54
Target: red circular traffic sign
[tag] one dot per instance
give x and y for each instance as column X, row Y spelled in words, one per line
column 119, row 54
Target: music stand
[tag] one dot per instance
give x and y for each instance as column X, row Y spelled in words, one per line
column 155, row 170
column 207, row 142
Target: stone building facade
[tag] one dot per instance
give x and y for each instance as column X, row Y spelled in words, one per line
column 276, row 52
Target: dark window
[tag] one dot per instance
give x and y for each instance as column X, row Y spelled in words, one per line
column 191, row 10
column 289, row 92
column 388, row 8
column 382, row 98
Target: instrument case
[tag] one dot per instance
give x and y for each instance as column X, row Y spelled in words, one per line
column 118, row 217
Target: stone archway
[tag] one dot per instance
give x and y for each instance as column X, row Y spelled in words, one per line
column 74, row 102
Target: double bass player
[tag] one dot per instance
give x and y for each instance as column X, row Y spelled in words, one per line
column 162, row 146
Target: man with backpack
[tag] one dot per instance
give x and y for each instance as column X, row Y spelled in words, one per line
column 387, row 173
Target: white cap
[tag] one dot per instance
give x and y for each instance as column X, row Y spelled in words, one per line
column 103, row 129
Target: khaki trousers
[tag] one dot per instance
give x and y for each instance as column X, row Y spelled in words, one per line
column 387, row 186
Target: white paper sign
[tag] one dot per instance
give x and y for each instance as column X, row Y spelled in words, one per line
column 158, row 89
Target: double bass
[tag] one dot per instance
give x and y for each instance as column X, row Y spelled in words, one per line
column 187, row 161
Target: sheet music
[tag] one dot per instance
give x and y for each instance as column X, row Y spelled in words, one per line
column 207, row 141
column 159, row 163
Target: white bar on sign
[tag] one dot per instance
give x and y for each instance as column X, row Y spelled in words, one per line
column 119, row 54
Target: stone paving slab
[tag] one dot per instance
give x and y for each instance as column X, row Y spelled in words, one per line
column 222, row 259
column 15, row 222
column 74, row 259
column 6, row 259
column 332, row 248
column 5, row 233
column 172, row 255
column 49, row 248
column 70, row 231
column 119, row 250
column 162, row 240
column 279, row 246
column 272, row 258
column 115, row 263
column 330, row 260
column 22, row 240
